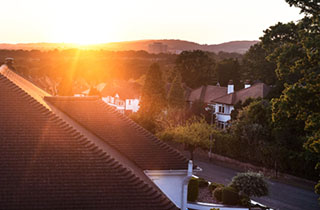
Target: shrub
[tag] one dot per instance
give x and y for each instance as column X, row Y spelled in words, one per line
column 193, row 189
column 217, row 193
column 214, row 185
column 166, row 135
column 244, row 201
column 250, row 184
column 230, row 196
column 202, row 182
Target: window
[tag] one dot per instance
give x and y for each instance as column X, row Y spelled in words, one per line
column 221, row 109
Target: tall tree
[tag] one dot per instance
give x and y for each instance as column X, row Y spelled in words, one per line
column 299, row 66
column 176, row 97
column 153, row 99
column 196, row 68
column 256, row 67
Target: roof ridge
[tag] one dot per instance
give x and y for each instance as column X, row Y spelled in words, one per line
column 36, row 92
column 85, row 143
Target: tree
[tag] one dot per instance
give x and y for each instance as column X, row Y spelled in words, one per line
column 195, row 133
column 228, row 69
column 65, row 86
column 256, row 67
column 176, row 97
column 196, row 68
column 153, row 99
column 298, row 65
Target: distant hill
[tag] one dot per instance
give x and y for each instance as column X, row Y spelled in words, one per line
column 173, row 46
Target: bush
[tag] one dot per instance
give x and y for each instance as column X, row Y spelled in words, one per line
column 166, row 135
column 202, row 182
column 193, row 189
column 214, row 185
column 217, row 193
column 250, row 184
column 230, row 196
column 244, row 201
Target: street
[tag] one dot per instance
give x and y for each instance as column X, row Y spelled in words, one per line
column 282, row 196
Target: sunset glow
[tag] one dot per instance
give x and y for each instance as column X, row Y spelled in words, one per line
column 97, row 21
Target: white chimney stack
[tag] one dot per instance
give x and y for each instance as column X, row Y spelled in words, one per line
column 230, row 87
column 247, row 84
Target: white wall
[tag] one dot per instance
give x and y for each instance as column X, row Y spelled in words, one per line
column 223, row 117
column 132, row 104
column 170, row 183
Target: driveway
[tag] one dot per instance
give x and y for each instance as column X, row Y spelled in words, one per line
column 283, row 196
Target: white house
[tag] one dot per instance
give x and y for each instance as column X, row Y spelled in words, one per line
column 124, row 96
column 224, row 105
column 223, row 99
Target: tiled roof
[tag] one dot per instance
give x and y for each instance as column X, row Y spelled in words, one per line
column 120, row 132
column 207, row 93
column 255, row 91
column 46, row 164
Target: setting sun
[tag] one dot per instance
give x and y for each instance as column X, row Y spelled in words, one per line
column 83, row 25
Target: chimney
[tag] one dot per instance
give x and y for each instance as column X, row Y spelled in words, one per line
column 230, row 87
column 247, row 84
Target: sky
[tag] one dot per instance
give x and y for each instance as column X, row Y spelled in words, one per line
column 102, row 21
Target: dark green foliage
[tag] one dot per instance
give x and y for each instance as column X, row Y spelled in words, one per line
column 226, row 70
column 202, row 182
column 244, row 201
column 230, row 196
column 198, row 108
column 257, row 67
column 193, row 189
column 250, row 184
column 176, row 97
column 296, row 50
column 306, row 6
column 214, row 185
column 196, row 68
column 153, row 99
column 217, row 193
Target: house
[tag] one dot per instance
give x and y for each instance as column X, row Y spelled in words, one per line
column 224, row 104
column 222, row 99
column 79, row 153
column 124, row 96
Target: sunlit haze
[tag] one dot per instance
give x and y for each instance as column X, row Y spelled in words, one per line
column 94, row 21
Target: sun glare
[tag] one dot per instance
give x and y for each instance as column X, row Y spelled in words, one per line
column 82, row 25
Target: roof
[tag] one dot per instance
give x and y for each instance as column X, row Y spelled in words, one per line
column 255, row 91
column 47, row 164
column 207, row 93
column 119, row 131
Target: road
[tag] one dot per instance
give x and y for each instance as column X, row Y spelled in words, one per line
column 282, row 196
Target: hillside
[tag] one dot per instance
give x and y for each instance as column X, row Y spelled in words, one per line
column 174, row 46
